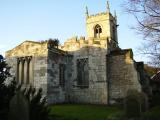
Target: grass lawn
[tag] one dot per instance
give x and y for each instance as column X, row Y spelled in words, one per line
column 81, row 112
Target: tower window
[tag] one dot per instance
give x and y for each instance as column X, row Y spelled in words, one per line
column 97, row 31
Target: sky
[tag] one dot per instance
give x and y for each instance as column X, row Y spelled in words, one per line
column 37, row 20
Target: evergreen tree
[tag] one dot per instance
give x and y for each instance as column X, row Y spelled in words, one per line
column 6, row 91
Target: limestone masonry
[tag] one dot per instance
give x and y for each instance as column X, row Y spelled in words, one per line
column 84, row 70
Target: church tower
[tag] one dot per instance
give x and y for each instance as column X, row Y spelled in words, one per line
column 102, row 26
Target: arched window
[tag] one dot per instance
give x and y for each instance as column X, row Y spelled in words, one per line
column 82, row 73
column 114, row 33
column 97, row 31
column 62, row 75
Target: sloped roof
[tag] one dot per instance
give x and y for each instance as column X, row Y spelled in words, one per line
column 156, row 77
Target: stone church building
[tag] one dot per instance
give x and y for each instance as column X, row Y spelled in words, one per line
column 91, row 69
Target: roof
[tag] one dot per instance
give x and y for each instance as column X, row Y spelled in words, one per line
column 156, row 77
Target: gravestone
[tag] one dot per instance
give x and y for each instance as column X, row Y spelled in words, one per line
column 135, row 104
column 19, row 107
column 133, row 108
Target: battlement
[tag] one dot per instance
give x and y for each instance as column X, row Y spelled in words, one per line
column 98, row 14
column 102, row 15
column 76, row 43
column 106, row 14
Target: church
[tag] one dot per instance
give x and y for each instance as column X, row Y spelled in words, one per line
column 91, row 69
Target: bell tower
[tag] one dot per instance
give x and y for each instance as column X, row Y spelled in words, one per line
column 102, row 26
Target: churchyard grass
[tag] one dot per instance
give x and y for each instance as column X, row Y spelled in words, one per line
column 81, row 112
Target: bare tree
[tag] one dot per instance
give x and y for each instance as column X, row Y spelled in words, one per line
column 147, row 14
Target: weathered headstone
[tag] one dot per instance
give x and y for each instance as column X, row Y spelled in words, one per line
column 19, row 107
column 133, row 108
column 135, row 104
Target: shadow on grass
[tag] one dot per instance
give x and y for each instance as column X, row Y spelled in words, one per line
column 60, row 117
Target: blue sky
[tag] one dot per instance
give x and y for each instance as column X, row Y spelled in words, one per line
column 36, row 20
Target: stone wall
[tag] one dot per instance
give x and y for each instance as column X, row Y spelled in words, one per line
column 40, row 73
column 96, row 92
column 122, row 74
column 56, row 92
column 109, row 78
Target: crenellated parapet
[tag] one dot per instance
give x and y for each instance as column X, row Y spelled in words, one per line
column 76, row 43
column 98, row 14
